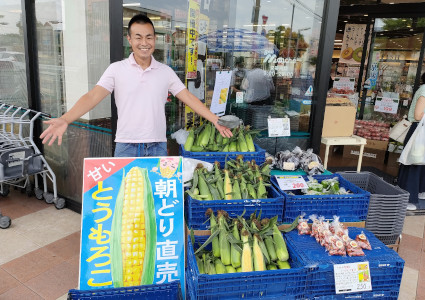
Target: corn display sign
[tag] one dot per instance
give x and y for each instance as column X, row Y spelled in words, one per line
column 132, row 222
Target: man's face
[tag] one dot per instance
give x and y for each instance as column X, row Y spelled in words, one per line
column 142, row 40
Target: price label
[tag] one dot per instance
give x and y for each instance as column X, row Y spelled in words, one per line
column 386, row 105
column 288, row 183
column 344, row 83
column 279, row 127
column 351, row 278
column 239, row 97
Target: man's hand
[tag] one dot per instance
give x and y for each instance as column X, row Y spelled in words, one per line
column 224, row 131
column 56, row 129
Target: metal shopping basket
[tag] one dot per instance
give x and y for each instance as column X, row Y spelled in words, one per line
column 20, row 158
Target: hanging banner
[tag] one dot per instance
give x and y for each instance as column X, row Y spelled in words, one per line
column 221, row 91
column 132, row 229
column 352, row 44
column 192, row 39
column 194, row 75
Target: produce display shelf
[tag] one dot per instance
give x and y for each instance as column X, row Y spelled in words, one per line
column 270, row 207
column 384, row 295
column 386, row 266
column 351, row 207
column 259, row 155
column 274, row 284
column 148, row 292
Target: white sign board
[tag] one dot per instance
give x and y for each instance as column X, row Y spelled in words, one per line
column 344, row 83
column 221, row 89
column 288, row 183
column 386, row 105
column 351, row 278
column 279, row 127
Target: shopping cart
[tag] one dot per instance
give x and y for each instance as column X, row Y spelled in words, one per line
column 20, row 158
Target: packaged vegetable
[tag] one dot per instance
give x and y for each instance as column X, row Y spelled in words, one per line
column 363, row 241
column 303, row 227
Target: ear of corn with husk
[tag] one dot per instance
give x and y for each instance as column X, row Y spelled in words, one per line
column 243, row 245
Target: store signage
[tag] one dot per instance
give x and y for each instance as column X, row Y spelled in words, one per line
column 280, row 66
column 278, row 127
column 239, row 97
column 386, row 105
column 192, row 39
column 353, row 277
column 289, row 183
column 309, row 91
column 221, row 91
column 132, row 222
column 352, row 44
column 344, row 83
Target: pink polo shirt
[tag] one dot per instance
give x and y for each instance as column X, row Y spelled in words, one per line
column 140, row 96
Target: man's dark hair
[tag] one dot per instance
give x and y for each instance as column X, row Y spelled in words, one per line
column 139, row 19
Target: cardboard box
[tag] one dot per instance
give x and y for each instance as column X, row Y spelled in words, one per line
column 378, row 145
column 369, row 154
column 339, row 120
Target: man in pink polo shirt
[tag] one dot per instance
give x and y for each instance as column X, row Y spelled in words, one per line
column 141, row 85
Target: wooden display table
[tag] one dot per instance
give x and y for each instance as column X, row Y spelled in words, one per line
column 344, row 140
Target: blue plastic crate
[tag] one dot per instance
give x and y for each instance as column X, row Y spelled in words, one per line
column 270, row 207
column 259, row 155
column 350, row 208
column 149, row 292
column 384, row 295
column 272, row 284
column 386, row 266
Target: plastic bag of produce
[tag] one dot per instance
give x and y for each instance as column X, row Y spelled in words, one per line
column 180, row 136
column 414, row 151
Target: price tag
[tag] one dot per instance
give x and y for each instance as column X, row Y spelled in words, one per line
column 279, row 127
column 351, row 278
column 288, row 183
column 344, row 83
column 239, row 97
column 386, row 105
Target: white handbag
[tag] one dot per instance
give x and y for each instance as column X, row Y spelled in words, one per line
column 398, row 131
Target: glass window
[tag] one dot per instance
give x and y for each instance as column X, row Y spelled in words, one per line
column 13, row 78
column 271, row 47
column 73, row 52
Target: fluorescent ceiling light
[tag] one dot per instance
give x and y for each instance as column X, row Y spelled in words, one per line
column 131, row 4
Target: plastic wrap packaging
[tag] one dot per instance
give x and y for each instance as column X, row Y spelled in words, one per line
column 353, row 248
column 363, row 242
column 336, row 246
column 303, row 227
column 299, row 159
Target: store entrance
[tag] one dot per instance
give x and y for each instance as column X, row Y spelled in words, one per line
column 383, row 83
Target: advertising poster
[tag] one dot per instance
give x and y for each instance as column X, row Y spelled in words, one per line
column 221, row 91
column 132, row 223
column 352, row 44
column 194, row 68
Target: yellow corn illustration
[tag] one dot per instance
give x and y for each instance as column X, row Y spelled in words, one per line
column 168, row 166
column 133, row 234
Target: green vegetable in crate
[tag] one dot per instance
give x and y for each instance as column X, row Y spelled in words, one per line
column 271, row 267
column 200, row 264
column 230, row 269
column 223, row 239
column 213, row 227
column 259, row 264
column 283, row 264
column 235, row 254
column 281, row 250
column 220, row 268
column 133, row 232
column 189, row 141
column 227, row 185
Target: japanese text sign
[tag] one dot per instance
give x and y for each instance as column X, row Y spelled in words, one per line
column 386, row 105
column 352, row 44
column 192, row 39
column 288, row 182
column 132, row 222
column 353, row 277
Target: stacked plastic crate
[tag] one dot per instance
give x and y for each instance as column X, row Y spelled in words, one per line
column 387, row 206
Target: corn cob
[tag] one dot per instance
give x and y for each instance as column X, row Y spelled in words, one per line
column 249, row 142
column 236, row 190
column 230, row 269
column 219, row 267
column 259, row 264
column 222, row 238
column 227, row 185
column 281, row 251
column 214, row 227
column 189, row 141
column 200, row 264
column 203, row 187
column 283, row 264
column 133, row 233
column 235, row 254
column 246, row 252
column 271, row 267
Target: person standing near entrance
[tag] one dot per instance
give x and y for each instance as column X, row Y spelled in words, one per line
column 141, row 85
column 412, row 178
column 257, row 85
